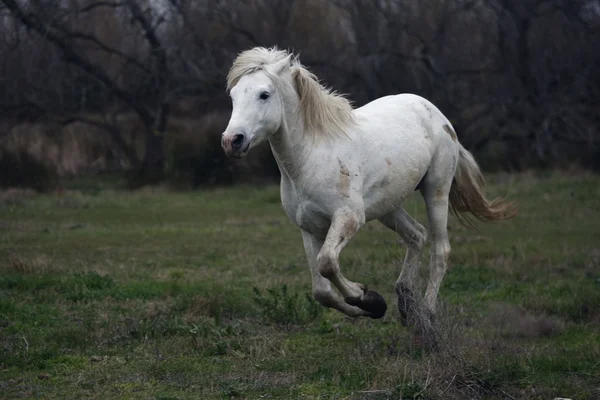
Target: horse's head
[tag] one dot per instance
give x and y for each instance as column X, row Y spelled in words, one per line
column 258, row 109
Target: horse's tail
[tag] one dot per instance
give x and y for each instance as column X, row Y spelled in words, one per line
column 467, row 193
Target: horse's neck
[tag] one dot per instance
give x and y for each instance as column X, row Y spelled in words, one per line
column 289, row 147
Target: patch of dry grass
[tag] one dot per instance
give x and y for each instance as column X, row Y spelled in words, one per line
column 29, row 264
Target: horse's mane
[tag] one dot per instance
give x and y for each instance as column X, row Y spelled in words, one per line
column 325, row 112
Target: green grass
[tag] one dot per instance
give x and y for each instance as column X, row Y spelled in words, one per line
column 157, row 295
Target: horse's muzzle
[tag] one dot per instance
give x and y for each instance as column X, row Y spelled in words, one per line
column 236, row 145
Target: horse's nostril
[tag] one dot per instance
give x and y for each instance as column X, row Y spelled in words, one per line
column 237, row 141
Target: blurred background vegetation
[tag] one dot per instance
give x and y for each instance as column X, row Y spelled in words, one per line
column 137, row 87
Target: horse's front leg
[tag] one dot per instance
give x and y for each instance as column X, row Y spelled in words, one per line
column 344, row 224
column 321, row 287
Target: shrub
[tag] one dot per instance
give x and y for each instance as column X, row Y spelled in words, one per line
column 279, row 306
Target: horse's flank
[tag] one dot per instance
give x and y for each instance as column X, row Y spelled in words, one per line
column 324, row 112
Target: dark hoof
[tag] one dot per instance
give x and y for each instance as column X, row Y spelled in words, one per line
column 407, row 304
column 372, row 302
column 426, row 336
column 425, row 341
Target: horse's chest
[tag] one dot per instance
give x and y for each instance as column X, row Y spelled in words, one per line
column 306, row 214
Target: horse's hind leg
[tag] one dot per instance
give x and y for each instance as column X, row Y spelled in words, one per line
column 344, row 224
column 414, row 235
column 436, row 190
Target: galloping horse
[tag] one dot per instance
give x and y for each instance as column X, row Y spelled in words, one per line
column 341, row 167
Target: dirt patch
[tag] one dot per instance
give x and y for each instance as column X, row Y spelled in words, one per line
column 343, row 185
column 514, row 321
column 35, row 264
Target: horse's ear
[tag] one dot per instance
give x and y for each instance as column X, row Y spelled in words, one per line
column 281, row 66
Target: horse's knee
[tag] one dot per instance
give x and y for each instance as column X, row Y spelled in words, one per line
column 327, row 265
column 418, row 240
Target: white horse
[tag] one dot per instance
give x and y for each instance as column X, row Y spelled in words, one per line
column 341, row 167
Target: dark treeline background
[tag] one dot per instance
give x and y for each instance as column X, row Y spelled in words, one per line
column 139, row 85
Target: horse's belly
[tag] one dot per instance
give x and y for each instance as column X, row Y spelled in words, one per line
column 382, row 202
column 388, row 191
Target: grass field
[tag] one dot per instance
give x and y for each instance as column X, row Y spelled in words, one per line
column 203, row 295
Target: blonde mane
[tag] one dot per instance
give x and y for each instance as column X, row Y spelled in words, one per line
column 325, row 112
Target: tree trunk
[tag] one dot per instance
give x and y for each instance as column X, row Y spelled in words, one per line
column 152, row 169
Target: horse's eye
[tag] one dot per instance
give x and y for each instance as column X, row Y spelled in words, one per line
column 264, row 95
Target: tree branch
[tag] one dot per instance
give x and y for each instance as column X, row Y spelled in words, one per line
column 159, row 52
column 34, row 23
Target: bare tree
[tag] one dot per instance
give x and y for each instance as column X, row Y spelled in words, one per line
column 520, row 73
column 517, row 76
column 139, row 77
column 544, row 53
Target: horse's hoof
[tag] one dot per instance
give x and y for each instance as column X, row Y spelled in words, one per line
column 425, row 341
column 425, row 332
column 372, row 302
column 407, row 306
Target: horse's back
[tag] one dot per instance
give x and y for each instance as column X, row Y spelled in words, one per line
column 400, row 135
column 404, row 107
column 395, row 99
column 409, row 120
